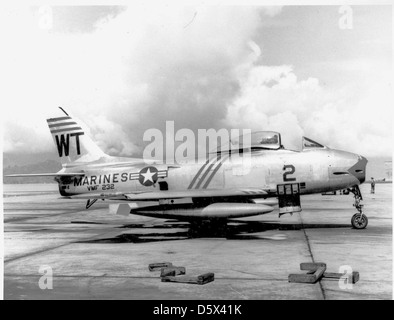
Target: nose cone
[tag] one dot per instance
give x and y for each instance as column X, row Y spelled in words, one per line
column 358, row 170
column 347, row 168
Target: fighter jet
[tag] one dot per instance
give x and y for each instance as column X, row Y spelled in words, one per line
column 215, row 190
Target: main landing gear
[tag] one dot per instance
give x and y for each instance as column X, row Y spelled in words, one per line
column 359, row 220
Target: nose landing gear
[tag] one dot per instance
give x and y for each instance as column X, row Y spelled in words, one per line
column 359, row 220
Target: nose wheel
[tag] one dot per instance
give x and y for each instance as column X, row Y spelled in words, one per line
column 359, row 220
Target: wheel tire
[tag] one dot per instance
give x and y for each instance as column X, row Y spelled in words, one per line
column 359, row 221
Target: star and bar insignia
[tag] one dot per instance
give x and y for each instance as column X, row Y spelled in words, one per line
column 148, row 176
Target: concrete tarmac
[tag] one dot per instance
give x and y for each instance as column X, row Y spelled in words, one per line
column 96, row 255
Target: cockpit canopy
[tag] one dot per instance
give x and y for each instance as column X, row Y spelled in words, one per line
column 263, row 140
column 309, row 144
column 254, row 141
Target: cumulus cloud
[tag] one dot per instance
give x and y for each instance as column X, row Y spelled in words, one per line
column 132, row 73
column 272, row 98
column 197, row 66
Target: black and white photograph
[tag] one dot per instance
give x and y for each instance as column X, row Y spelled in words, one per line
column 185, row 151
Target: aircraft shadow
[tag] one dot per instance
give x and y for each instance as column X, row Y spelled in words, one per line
column 244, row 230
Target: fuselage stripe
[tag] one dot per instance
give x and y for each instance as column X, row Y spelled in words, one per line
column 204, row 175
column 214, row 172
column 215, row 161
column 198, row 174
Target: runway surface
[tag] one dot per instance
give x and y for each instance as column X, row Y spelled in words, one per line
column 96, row 255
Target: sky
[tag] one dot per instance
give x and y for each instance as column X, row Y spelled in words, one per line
column 123, row 70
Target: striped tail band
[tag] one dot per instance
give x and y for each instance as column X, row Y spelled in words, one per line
column 63, row 124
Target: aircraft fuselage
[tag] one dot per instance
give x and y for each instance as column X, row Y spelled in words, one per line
column 315, row 170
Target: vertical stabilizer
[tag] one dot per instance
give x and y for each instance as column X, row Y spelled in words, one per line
column 72, row 142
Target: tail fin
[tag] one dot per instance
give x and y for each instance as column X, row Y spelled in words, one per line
column 72, row 142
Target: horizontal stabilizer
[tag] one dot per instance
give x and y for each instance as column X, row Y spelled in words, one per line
column 58, row 174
